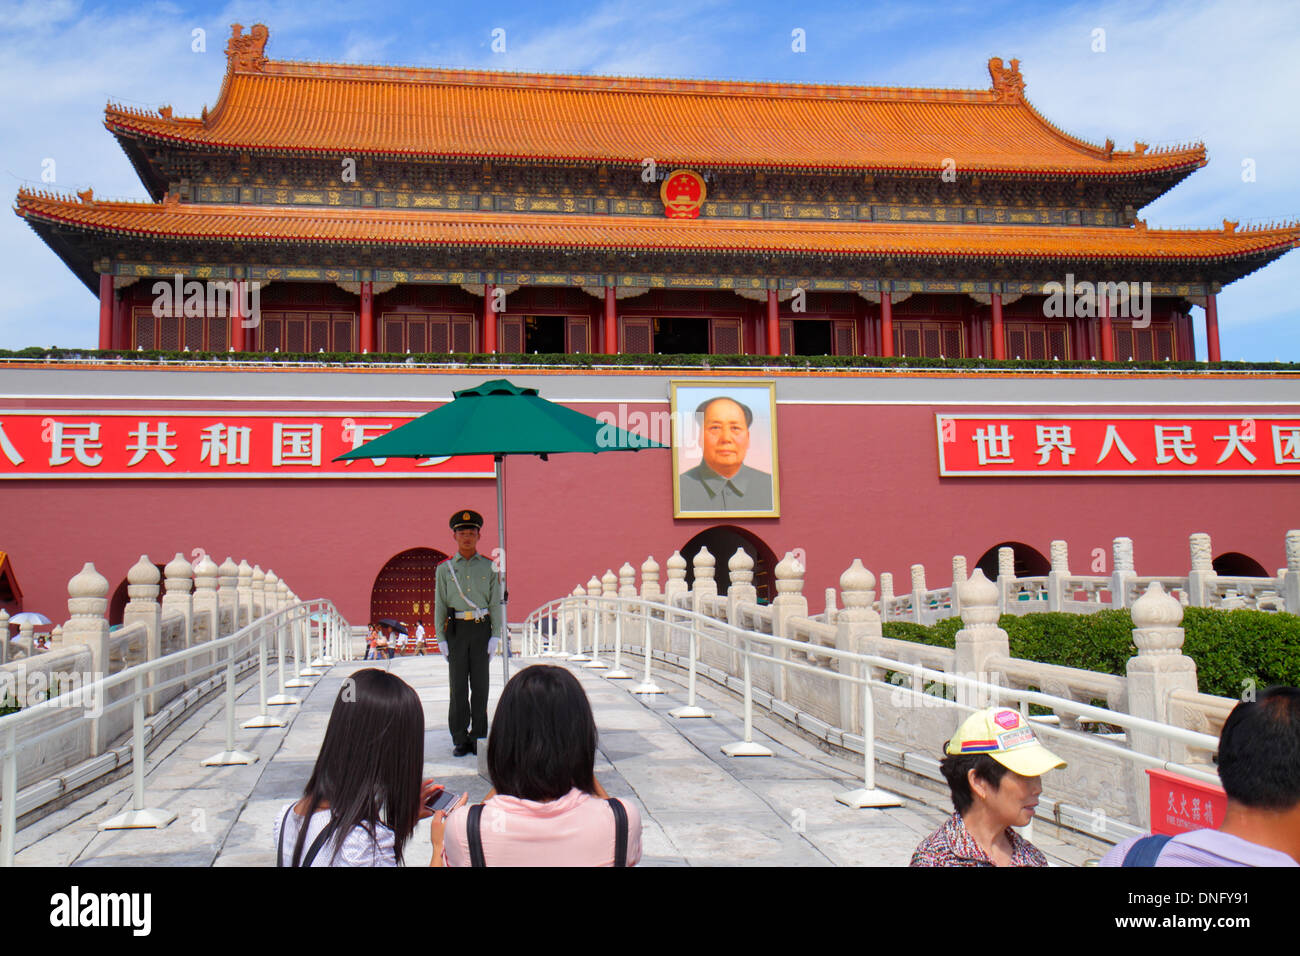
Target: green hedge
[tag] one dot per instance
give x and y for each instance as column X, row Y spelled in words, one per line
column 1229, row 647
column 653, row 361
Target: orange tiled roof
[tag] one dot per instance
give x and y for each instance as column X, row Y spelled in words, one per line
column 305, row 108
column 242, row 223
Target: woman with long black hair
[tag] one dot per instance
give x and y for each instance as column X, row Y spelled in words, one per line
column 364, row 797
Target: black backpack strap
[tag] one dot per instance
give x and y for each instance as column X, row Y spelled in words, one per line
column 1145, row 851
column 620, row 832
column 279, row 846
column 317, row 843
column 475, row 838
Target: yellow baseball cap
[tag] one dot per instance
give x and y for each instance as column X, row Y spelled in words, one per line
column 1006, row 736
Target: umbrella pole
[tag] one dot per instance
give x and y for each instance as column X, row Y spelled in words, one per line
column 501, row 525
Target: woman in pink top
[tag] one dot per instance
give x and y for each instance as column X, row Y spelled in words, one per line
column 545, row 807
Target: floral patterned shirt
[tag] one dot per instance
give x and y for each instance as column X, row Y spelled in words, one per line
column 952, row 845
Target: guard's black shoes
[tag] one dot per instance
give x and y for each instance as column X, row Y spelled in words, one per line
column 462, row 749
column 473, row 746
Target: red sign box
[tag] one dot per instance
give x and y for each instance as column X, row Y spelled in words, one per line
column 184, row 444
column 977, row 446
column 1179, row 804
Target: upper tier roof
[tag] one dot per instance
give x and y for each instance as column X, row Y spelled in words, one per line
column 409, row 227
column 312, row 108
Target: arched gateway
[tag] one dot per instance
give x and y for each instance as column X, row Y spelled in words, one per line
column 403, row 590
column 722, row 542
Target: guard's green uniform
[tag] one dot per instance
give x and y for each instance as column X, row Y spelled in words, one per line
column 467, row 640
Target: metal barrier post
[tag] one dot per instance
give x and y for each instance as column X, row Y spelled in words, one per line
column 138, row 818
column 295, row 637
column 867, row 795
column 618, row 673
column 597, row 638
column 304, row 636
column 577, row 655
column 230, row 756
column 747, row 747
column 280, row 699
column 647, row 686
column 690, row 710
column 562, row 625
column 263, row 719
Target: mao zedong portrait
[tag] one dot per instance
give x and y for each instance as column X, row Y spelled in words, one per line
column 722, row 481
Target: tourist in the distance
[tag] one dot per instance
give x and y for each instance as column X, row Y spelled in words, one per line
column 992, row 764
column 364, row 796
column 546, row 807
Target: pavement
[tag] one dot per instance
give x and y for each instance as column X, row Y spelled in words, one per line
column 698, row 807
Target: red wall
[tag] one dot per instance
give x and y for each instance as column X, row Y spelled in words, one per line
column 856, row 481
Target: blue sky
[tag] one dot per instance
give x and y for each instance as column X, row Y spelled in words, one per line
column 1226, row 73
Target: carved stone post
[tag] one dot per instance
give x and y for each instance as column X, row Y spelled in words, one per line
column 958, row 579
column 4, row 636
column 206, row 600
column 1057, row 575
column 856, row 626
column 1123, row 573
column 1006, row 577
column 142, row 587
column 740, row 567
column 886, row 594
column 595, row 633
column 87, row 624
column 705, row 585
column 177, row 584
column 245, row 592
column 259, row 591
column 228, row 595
column 788, row 603
column 1291, row 583
column 918, row 593
column 1200, row 579
column 678, row 637
column 650, row 592
column 980, row 638
column 1159, row 669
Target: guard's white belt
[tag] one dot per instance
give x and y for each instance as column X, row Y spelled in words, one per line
column 469, row 615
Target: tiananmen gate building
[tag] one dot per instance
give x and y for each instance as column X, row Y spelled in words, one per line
column 357, row 210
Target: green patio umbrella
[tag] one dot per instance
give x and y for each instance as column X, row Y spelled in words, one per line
column 499, row 418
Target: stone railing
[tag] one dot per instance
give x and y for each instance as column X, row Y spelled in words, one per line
column 1159, row 683
column 185, row 606
column 1059, row 590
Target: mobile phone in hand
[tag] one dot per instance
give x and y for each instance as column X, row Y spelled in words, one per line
column 442, row 799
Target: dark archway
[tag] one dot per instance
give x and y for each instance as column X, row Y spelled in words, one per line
column 1234, row 564
column 117, row 603
column 403, row 589
column 722, row 543
column 1030, row 562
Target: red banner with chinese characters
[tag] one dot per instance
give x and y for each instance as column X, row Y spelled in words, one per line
column 183, row 444
column 976, row 446
column 1179, row 803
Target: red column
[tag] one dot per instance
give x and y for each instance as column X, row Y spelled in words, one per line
column 773, row 324
column 367, row 317
column 105, row 311
column 1212, row 327
column 1107, row 336
column 611, row 322
column 999, row 339
column 489, row 321
column 241, row 339
column 120, row 334
column 886, row 324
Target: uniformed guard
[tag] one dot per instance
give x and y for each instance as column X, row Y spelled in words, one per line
column 467, row 617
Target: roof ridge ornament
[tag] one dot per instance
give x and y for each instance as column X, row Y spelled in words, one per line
column 246, row 52
column 1008, row 84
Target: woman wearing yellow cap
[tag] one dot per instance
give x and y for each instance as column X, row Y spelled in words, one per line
column 992, row 764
